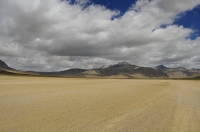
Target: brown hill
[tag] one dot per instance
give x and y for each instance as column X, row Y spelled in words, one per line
column 71, row 72
column 128, row 70
column 120, row 70
column 6, row 70
column 179, row 72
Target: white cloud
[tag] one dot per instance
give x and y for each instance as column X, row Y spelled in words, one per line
column 50, row 32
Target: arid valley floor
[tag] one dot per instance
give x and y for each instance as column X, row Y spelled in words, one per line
column 32, row 104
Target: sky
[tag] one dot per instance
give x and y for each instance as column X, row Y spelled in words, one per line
column 54, row 35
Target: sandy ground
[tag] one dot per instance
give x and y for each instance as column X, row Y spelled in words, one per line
column 34, row 104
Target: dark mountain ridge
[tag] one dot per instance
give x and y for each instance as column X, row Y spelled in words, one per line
column 3, row 65
column 179, row 72
column 130, row 70
column 74, row 71
column 161, row 67
column 122, row 69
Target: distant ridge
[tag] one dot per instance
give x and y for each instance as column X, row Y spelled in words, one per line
column 74, row 71
column 128, row 70
column 6, row 70
column 179, row 72
column 3, row 65
column 119, row 70
column 124, row 63
column 161, row 67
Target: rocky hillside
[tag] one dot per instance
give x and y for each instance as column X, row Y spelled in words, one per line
column 119, row 70
column 127, row 70
column 3, row 65
column 70, row 72
column 179, row 72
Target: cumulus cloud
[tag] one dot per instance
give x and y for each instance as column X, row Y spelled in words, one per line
column 53, row 35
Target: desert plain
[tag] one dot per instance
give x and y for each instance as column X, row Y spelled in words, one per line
column 47, row 104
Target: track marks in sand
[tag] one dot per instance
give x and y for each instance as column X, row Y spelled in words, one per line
column 187, row 116
column 96, row 105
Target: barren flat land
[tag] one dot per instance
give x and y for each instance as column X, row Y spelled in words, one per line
column 32, row 104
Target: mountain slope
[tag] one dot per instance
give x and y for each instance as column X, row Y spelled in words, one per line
column 3, row 65
column 161, row 67
column 128, row 70
column 15, row 72
column 198, row 77
column 119, row 70
column 179, row 72
column 6, row 70
column 71, row 72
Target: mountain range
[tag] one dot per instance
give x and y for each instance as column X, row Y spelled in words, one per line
column 119, row 70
